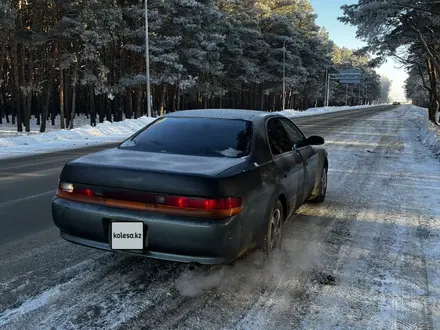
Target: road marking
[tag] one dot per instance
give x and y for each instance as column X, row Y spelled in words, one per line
column 67, row 154
column 6, row 176
column 23, row 199
column 63, row 158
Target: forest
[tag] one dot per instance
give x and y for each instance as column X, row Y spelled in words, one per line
column 64, row 58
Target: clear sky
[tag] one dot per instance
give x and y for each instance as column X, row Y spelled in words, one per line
column 345, row 36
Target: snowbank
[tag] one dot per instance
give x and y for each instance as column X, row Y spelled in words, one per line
column 56, row 140
column 13, row 144
column 10, row 130
column 427, row 132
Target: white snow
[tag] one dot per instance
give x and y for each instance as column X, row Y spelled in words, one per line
column 13, row 143
column 230, row 152
column 323, row 110
column 427, row 132
column 29, row 305
column 10, row 130
column 56, row 140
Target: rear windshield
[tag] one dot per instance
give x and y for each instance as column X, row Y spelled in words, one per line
column 195, row 136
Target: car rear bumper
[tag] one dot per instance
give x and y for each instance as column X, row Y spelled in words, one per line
column 169, row 237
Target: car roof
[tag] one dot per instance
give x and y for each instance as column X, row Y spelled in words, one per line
column 251, row 115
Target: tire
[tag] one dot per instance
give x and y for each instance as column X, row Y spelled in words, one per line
column 322, row 187
column 273, row 237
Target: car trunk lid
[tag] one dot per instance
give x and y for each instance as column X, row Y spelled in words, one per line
column 150, row 172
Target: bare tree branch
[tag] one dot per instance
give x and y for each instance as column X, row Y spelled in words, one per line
column 419, row 69
column 414, row 27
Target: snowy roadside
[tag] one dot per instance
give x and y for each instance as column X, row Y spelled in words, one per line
column 323, row 110
column 366, row 258
column 13, row 144
column 8, row 130
column 80, row 137
column 428, row 133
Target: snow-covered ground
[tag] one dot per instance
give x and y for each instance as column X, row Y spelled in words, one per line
column 427, row 132
column 10, row 130
column 366, row 258
column 323, row 110
column 57, row 139
column 13, row 144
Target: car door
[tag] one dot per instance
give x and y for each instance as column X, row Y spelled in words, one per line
column 308, row 153
column 289, row 163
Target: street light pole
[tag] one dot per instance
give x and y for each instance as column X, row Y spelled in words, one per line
column 284, row 74
column 147, row 61
column 328, row 89
column 346, row 94
column 325, row 86
column 366, row 93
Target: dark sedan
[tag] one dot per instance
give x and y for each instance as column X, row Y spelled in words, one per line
column 203, row 186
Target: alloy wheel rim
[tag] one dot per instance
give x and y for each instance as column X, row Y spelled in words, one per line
column 275, row 229
column 324, row 182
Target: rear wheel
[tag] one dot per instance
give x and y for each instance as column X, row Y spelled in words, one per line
column 322, row 187
column 274, row 234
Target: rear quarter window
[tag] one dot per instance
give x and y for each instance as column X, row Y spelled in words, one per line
column 210, row 137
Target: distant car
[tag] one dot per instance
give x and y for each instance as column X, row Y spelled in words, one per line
column 202, row 186
column 396, row 103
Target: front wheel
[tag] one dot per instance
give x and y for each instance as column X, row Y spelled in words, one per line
column 322, row 187
column 274, row 234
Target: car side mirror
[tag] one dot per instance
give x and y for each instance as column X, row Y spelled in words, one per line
column 315, row 140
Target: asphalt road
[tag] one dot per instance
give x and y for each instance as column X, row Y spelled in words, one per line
column 368, row 257
column 28, row 184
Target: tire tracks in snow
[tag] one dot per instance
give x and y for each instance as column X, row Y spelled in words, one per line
column 330, row 226
column 102, row 293
column 377, row 290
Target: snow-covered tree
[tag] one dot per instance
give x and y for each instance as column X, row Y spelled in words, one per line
column 402, row 28
column 415, row 88
column 385, row 88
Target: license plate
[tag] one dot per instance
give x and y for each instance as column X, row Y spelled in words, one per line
column 127, row 235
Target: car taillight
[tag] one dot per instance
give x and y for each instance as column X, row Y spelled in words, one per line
column 85, row 192
column 168, row 204
column 203, row 203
